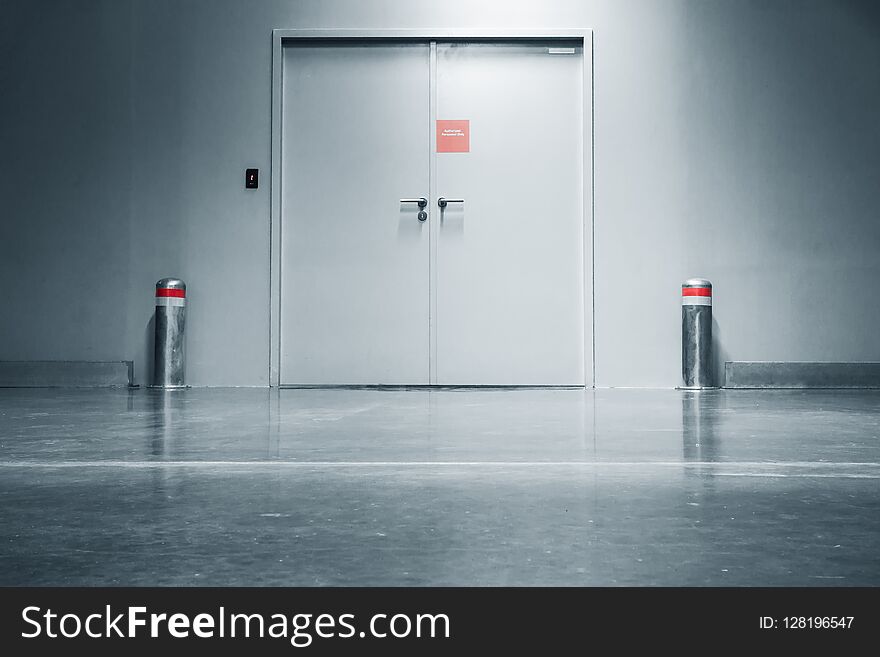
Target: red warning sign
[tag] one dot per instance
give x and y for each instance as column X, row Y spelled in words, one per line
column 453, row 136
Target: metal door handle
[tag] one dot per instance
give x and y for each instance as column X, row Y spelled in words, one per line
column 422, row 201
column 443, row 202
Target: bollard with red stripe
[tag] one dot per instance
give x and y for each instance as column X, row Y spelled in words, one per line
column 170, row 361
column 696, row 334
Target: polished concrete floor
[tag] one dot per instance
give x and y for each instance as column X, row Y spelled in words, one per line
column 447, row 487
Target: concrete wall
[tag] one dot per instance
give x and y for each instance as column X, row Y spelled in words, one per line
column 736, row 140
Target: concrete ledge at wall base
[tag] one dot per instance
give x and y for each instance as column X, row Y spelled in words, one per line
column 778, row 374
column 66, row 374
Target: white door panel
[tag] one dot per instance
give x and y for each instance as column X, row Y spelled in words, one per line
column 354, row 282
column 509, row 276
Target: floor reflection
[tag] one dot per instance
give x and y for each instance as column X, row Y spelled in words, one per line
column 163, row 406
column 699, row 424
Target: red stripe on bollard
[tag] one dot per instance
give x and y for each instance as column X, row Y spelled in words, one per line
column 696, row 291
column 170, row 292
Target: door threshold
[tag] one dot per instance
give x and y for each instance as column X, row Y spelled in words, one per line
column 399, row 387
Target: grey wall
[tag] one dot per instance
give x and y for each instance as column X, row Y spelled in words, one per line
column 736, row 140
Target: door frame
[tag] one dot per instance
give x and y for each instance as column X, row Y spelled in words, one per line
column 281, row 37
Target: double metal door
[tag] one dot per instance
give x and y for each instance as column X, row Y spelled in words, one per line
column 433, row 214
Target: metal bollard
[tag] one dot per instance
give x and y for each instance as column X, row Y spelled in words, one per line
column 170, row 360
column 696, row 333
